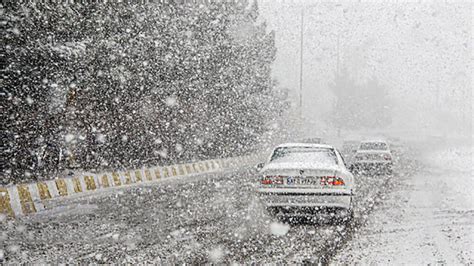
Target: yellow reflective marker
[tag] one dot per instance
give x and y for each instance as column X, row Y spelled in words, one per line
column 62, row 187
column 26, row 201
column 90, row 182
column 138, row 176
column 77, row 185
column 157, row 173
column 5, row 205
column 116, row 178
column 128, row 178
column 148, row 175
column 105, row 181
column 173, row 171
column 43, row 191
column 166, row 172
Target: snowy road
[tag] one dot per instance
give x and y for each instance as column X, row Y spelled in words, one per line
column 428, row 219
column 212, row 217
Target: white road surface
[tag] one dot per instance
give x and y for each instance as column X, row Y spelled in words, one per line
column 427, row 219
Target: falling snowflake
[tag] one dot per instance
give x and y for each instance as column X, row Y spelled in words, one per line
column 216, row 254
column 29, row 100
column 69, row 137
column 171, row 101
column 163, row 153
column 199, row 142
column 101, row 138
column 279, row 229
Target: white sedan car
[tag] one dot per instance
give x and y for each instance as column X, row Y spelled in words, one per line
column 305, row 180
column 373, row 156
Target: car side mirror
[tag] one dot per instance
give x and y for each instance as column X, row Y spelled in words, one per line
column 259, row 166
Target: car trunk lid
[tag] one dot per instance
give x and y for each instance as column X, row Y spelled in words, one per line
column 286, row 176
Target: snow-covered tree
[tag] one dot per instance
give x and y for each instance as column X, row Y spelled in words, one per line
column 120, row 84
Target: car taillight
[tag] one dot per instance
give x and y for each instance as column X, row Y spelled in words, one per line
column 338, row 182
column 332, row 181
column 272, row 180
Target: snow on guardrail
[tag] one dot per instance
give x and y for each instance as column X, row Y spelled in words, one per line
column 26, row 199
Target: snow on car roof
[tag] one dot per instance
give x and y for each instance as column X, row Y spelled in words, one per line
column 374, row 141
column 351, row 141
column 311, row 145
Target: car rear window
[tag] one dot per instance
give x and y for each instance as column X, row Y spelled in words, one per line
column 304, row 154
column 312, row 140
column 371, row 156
column 373, row 146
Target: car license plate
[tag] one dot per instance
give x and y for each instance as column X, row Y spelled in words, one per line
column 302, row 181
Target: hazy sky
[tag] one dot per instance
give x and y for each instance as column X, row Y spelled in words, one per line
column 421, row 51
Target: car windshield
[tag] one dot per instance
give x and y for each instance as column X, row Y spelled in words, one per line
column 373, row 146
column 305, row 155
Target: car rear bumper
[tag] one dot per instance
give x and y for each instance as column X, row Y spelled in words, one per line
column 310, row 211
column 313, row 198
column 372, row 164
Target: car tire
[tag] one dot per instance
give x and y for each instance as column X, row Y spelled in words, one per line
column 344, row 219
column 389, row 170
column 350, row 213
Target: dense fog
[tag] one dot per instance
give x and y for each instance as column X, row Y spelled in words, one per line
column 403, row 67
